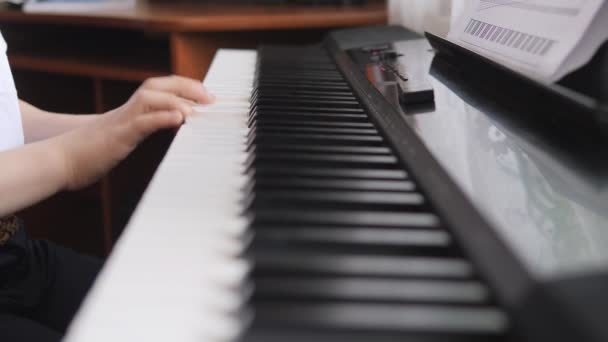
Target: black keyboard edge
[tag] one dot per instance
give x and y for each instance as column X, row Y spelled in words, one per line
column 497, row 264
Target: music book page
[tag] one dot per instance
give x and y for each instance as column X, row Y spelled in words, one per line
column 544, row 39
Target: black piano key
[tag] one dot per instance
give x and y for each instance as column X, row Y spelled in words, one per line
column 321, row 130
column 336, row 199
column 302, row 87
column 290, row 95
column 321, row 66
column 262, row 90
column 371, row 289
column 288, row 247
column 291, row 102
column 272, row 70
column 392, row 317
column 358, row 150
column 350, row 160
column 327, row 69
column 280, row 91
column 286, row 115
column 384, row 237
column 324, row 173
column 261, row 332
column 286, row 138
column 331, row 184
column 357, row 218
column 414, row 242
column 299, row 77
column 333, row 264
column 302, row 61
column 270, row 111
column 297, row 57
column 315, row 64
column 268, row 108
column 297, row 68
column 291, row 84
column 274, row 122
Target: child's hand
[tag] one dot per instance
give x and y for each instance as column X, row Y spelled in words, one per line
column 91, row 151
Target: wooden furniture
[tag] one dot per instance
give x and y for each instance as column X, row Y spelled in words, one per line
column 85, row 63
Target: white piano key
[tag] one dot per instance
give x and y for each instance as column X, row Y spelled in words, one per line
column 176, row 273
column 234, row 97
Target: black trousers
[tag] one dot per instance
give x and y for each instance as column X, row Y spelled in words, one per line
column 41, row 288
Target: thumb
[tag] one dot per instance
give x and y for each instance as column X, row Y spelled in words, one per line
column 149, row 123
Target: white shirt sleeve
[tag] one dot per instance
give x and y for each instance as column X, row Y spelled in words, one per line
column 11, row 127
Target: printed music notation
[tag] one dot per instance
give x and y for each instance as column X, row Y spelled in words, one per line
column 510, row 38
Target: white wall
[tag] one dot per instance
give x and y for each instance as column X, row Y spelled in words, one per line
column 426, row 15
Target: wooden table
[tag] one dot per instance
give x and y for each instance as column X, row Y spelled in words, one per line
column 83, row 63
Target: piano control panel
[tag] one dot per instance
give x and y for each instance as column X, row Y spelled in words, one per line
column 399, row 71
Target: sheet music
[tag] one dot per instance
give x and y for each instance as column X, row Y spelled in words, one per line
column 545, row 39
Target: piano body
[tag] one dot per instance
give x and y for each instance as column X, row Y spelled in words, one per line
column 341, row 192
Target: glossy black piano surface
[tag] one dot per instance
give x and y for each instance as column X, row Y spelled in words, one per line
column 445, row 218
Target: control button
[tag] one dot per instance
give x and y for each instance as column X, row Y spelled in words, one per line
column 391, row 54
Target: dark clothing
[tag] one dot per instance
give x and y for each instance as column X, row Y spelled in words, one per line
column 41, row 288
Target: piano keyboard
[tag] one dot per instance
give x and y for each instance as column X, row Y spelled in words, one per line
column 280, row 213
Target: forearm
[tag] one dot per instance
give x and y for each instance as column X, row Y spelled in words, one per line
column 39, row 124
column 30, row 174
column 84, row 148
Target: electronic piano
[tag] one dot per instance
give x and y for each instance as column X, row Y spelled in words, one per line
column 342, row 192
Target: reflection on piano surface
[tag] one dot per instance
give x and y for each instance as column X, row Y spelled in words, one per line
column 518, row 185
column 305, row 205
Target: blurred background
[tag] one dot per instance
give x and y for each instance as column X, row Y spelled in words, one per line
column 80, row 60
